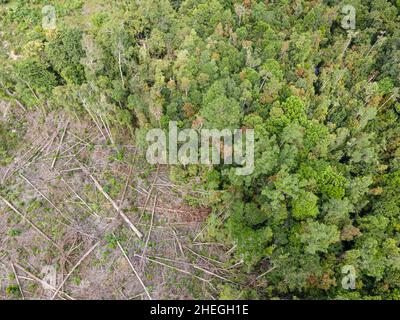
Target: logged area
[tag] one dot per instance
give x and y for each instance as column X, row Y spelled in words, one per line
column 221, row 149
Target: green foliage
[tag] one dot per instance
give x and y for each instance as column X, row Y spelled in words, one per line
column 228, row 110
column 252, row 245
column 64, row 52
column 13, row 291
column 323, row 103
column 332, row 184
column 317, row 237
column 8, row 142
column 305, row 206
column 34, row 79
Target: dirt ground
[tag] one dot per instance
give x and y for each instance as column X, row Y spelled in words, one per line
column 72, row 207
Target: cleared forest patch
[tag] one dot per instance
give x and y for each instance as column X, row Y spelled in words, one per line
column 55, row 218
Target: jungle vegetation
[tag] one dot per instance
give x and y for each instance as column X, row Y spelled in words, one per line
column 323, row 101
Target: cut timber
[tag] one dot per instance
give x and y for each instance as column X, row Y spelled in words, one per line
column 134, row 270
column 30, row 223
column 105, row 194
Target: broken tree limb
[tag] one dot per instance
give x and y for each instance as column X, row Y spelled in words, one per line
column 59, row 146
column 150, row 229
column 173, row 268
column 18, row 282
column 30, row 223
column 44, row 197
column 106, row 195
column 42, row 282
column 73, row 269
column 134, row 270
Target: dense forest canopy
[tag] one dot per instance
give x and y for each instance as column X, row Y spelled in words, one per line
column 323, row 101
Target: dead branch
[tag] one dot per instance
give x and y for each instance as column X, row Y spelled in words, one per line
column 151, row 227
column 60, row 144
column 73, row 269
column 43, row 283
column 105, row 194
column 30, row 223
column 149, row 193
column 173, row 268
column 17, row 279
column 134, row 270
